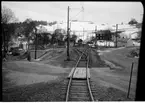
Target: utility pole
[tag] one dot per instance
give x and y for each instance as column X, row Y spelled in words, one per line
column 4, row 40
column 36, row 43
column 116, row 34
column 68, row 56
column 130, row 79
column 95, row 35
column 83, row 33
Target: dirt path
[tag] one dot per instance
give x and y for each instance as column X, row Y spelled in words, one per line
column 105, row 77
column 116, row 78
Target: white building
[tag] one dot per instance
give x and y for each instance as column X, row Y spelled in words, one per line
column 85, row 29
column 128, row 31
column 106, row 43
column 45, row 28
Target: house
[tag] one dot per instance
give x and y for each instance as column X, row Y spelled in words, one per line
column 25, row 45
column 83, row 29
column 132, row 42
column 45, row 29
column 129, row 43
column 134, row 35
column 103, row 35
column 128, row 31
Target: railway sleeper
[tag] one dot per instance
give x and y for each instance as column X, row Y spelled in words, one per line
column 79, row 84
column 79, row 81
column 77, row 78
column 79, row 94
column 79, row 99
column 78, row 89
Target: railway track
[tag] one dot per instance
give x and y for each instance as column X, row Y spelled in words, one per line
column 78, row 89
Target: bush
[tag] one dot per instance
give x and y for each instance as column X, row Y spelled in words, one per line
column 134, row 53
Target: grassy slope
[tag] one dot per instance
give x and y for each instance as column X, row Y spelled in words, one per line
column 120, row 57
column 39, row 53
column 118, row 78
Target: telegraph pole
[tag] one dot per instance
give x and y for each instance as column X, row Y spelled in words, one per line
column 116, row 34
column 68, row 56
column 96, row 34
column 130, row 79
column 4, row 40
column 36, row 43
column 83, row 33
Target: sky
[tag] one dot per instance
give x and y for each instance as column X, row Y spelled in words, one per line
column 97, row 12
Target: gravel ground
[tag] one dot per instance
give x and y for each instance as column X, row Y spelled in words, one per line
column 117, row 78
column 55, row 89
column 33, row 86
column 105, row 91
column 38, row 53
column 34, row 81
column 95, row 60
column 119, row 57
column 102, row 93
column 35, row 92
column 59, row 59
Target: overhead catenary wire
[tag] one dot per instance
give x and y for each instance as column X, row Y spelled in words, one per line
column 76, row 14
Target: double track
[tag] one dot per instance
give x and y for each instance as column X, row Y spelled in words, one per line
column 79, row 89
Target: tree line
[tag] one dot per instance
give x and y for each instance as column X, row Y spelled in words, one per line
column 11, row 28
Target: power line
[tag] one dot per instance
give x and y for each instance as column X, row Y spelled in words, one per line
column 77, row 14
column 82, row 6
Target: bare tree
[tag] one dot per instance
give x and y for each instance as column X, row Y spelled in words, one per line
column 132, row 21
column 73, row 38
column 29, row 28
column 7, row 17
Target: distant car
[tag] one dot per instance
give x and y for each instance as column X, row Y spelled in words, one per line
column 16, row 51
column 101, row 41
column 91, row 44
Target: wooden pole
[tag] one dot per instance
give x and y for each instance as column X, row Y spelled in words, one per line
column 68, row 56
column 36, row 44
column 96, row 35
column 4, row 44
column 130, row 80
column 116, row 34
column 4, row 41
column 83, row 34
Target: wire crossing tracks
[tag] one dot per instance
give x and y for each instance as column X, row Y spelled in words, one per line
column 78, row 88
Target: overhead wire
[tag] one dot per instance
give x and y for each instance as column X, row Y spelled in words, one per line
column 77, row 14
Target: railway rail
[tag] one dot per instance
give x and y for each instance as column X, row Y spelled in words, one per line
column 79, row 89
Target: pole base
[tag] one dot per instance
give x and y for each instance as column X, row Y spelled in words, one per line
column 68, row 59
